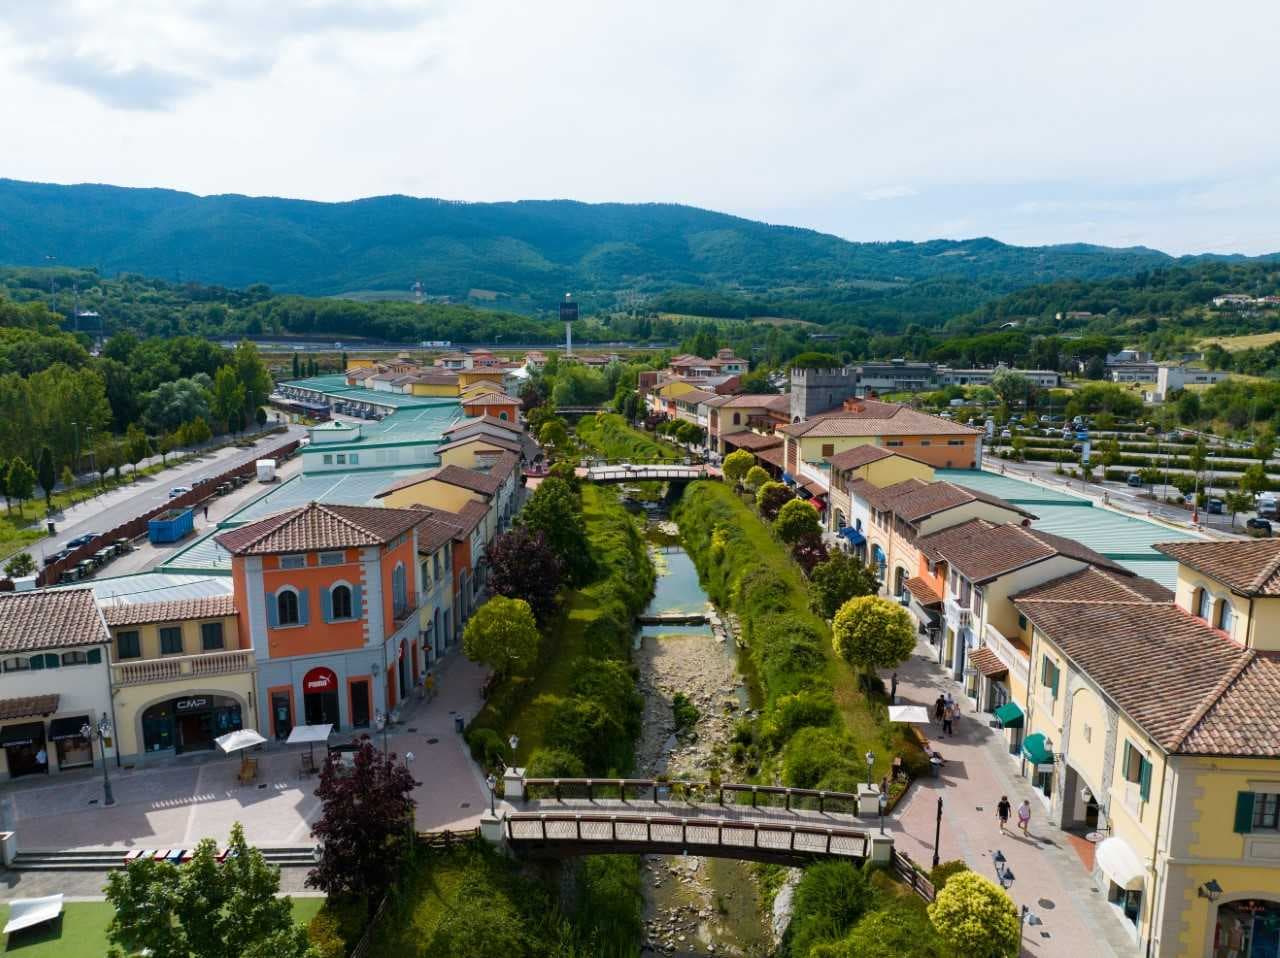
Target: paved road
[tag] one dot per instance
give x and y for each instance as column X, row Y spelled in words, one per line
column 104, row 512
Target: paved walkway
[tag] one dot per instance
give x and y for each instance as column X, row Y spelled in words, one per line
column 197, row 796
column 1049, row 876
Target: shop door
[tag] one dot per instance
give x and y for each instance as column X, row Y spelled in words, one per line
column 320, row 697
column 281, row 714
column 195, row 732
column 24, row 747
column 360, row 704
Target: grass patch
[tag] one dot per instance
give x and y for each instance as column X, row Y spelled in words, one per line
column 1232, row 343
column 610, row 436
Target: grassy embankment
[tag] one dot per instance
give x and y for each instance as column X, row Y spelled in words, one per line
column 817, row 721
column 608, row 435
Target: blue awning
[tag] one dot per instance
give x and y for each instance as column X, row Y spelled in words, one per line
column 788, row 478
column 853, row 535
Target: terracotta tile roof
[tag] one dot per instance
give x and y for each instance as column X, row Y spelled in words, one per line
column 694, row 396
column 471, row 515
column 175, row 610
column 923, row 591
column 982, row 550
column 1242, row 719
column 491, row 399
column 436, row 530
column 772, row 456
column 319, row 526
column 878, row 419
column 1250, row 567
column 882, row 497
column 493, row 442
column 987, row 662
column 29, row 705
column 748, row 401
column 483, row 482
column 751, row 441
column 50, row 619
column 858, row 456
column 477, row 421
column 930, row 498
column 436, row 379
column 1096, row 584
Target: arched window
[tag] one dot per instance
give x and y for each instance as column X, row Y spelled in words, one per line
column 16, row 665
column 341, row 599
column 1205, row 608
column 1225, row 615
column 45, row 662
column 502, row 415
column 287, row 607
column 737, row 419
column 900, row 582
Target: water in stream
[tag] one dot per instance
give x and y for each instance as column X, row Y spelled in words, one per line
column 693, row 906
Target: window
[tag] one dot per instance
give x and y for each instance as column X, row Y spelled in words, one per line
column 1128, row 901
column 435, row 563
column 287, row 607
column 1137, row 770
column 327, row 460
column 955, row 442
column 94, row 656
column 977, row 604
column 828, row 448
column 1022, row 621
column 925, row 442
column 1049, row 675
column 893, row 442
column 211, row 636
column 341, row 600
column 1205, row 606
column 16, row 665
column 45, row 661
column 424, row 575
column 354, row 459
column 332, row 558
column 75, row 657
column 399, row 592
column 1266, row 810
column 342, row 459
column 737, row 419
column 293, row 562
column 127, row 646
column 171, row 640
column 1224, row 615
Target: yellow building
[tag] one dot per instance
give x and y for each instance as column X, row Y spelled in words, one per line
column 484, row 376
column 873, row 464
column 479, row 451
column 433, row 383
column 360, row 364
column 179, row 677
column 1161, row 732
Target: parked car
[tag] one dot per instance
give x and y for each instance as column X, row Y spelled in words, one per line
column 178, row 491
column 1215, row 507
column 82, row 540
column 1134, row 480
column 1006, row 434
column 1260, row 528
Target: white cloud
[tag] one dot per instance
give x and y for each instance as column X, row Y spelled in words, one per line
column 1008, row 118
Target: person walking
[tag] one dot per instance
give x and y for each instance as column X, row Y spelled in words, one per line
column 1003, row 808
column 430, row 685
column 939, row 708
column 1024, row 817
column 948, row 714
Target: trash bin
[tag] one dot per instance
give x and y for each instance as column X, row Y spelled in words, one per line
column 53, row 530
column 935, row 767
column 458, row 724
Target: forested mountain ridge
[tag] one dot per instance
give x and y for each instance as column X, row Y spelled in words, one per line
column 527, row 252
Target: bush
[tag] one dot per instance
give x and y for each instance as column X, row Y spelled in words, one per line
column 942, row 872
column 589, row 729
column 891, row 933
column 814, row 755
column 830, row 898
column 554, row 763
column 976, row 917
column 801, row 710
column 684, row 712
column 487, row 747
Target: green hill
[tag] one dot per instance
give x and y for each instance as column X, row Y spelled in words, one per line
column 528, row 252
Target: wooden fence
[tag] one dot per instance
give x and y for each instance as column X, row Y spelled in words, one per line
column 907, row 870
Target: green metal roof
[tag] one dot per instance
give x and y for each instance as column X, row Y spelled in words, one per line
column 1122, row 538
column 334, row 488
column 202, row 556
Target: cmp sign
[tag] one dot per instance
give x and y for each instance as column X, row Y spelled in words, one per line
column 191, row 704
column 568, row 312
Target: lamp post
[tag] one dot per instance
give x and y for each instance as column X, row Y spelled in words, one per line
column 100, row 730
column 381, row 717
column 937, row 834
column 493, row 787
column 871, row 760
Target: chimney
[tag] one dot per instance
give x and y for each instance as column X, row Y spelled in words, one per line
column 854, row 405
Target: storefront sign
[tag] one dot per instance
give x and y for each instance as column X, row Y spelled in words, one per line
column 320, row 680
column 187, row 705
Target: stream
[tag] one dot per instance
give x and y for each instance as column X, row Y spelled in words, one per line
column 693, row 906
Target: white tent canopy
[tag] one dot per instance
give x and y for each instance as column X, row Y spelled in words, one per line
column 916, row 714
column 309, row 734
column 238, row 740
column 1120, row 863
column 29, row 912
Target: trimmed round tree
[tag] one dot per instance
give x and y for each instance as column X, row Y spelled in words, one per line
column 737, row 464
column 872, row 632
column 770, row 498
column 756, row 477
column 502, row 635
column 834, row 582
column 975, row 917
column 797, row 520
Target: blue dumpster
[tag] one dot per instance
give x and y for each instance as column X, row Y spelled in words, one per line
column 170, row 526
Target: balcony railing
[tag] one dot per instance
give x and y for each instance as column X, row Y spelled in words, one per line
column 1008, row 653
column 958, row 617
column 173, row 667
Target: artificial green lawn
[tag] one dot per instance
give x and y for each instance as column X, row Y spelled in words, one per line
column 81, row 931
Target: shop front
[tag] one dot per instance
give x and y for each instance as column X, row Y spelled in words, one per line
column 1247, row 929
column 190, row 723
column 72, row 748
column 339, row 690
column 24, row 749
column 320, row 698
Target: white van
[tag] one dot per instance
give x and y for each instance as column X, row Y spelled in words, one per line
column 1267, row 505
column 178, row 491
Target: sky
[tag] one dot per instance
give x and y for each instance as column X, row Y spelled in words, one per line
column 1125, row 122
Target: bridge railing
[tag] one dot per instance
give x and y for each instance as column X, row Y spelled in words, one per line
column 594, row 462
column 653, row 791
column 696, row 833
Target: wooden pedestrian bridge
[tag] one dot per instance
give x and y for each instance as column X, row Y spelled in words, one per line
column 614, row 471
column 570, row 817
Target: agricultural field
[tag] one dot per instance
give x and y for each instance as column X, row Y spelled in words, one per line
column 1234, row 343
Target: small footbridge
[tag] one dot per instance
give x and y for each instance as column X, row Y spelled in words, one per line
column 640, row 471
column 563, row 818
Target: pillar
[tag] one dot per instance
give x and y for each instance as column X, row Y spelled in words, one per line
column 881, row 848
column 513, row 784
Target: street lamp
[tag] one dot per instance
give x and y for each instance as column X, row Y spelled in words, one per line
column 100, row 731
column 1004, row 874
column 871, row 760
column 493, row 788
column 937, row 834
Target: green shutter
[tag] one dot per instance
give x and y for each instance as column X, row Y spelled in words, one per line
column 1055, row 681
column 1244, row 813
column 1144, row 780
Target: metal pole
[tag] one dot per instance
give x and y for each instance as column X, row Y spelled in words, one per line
column 108, row 798
column 937, row 834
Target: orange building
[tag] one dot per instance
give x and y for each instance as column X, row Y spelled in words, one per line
column 329, row 599
column 505, row 408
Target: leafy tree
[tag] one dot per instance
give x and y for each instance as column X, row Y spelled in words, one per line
column 178, row 402
column 841, row 578
column 228, row 398
column 1111, row 453
column 1238, row 502
column 47, row 475
column 809, row 551
column 260, row 416
column 523, row 566
column 872, row 632
column 797, row 520
column 1150, row 475
column 105, row 458
column 771, row 497
column 976, row 918
column 1254, row 479
column 203, row 908
column 168, row 442
column 297, row 367
column 737, row 464
column 68, row 480
column 554, row 434
column 20, row 482
column 487, row 924
column 1011, row 385
column 891, row 933
column 20, row 565
column 1198, row 457
column 365, row 826
column 503, row 635
column 554, row 510
column 1264, row 444
column 829, row 899
column 136, row 445
column 756, row 477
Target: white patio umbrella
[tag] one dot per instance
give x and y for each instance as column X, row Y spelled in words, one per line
column 238, row 740
column 309, row 735
column 914, row 714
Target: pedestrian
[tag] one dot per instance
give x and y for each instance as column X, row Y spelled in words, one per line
column 206, row 513
column 893, row 689
column 1002, row 812
column 939, row 708
column 430, row 685
column 42, row 757
column 947, row 715
column 1024, row 816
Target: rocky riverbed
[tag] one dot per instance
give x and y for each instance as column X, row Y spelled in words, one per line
column 695, row 906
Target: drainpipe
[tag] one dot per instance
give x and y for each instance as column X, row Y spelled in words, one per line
column 1026, row 709
column 1155, row 864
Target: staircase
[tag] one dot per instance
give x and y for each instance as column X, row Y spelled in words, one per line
column 106, row 859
